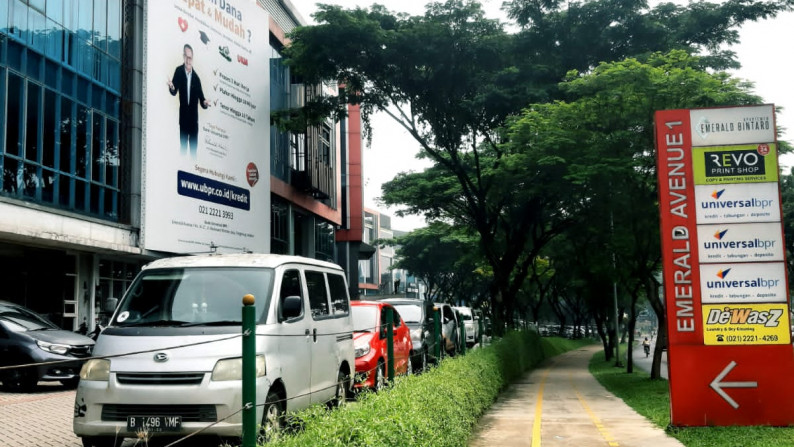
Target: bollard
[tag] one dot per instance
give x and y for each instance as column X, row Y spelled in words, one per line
column 390, row 342
column 479, row 333
column 437, row 333
column 249, row 372
column 462, row 336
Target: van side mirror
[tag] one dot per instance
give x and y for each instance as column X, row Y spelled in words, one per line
column 291, row 307
column 110, row 305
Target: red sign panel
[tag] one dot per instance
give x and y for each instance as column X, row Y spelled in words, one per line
column 730, row 356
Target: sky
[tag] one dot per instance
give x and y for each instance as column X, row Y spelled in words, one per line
column 763, row 52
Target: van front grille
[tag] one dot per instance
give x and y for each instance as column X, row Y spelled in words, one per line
column 160, row 378
column 189, row 413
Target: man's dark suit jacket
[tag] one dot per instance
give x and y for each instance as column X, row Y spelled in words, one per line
column 188, row 113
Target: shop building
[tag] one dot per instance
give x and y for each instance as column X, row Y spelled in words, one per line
column 103, row 168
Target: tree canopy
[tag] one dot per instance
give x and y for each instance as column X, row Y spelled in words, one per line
column 512, row 160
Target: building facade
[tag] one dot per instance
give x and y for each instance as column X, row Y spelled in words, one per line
column 378, row 276
column 105, row 166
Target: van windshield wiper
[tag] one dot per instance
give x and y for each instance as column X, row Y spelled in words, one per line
column 213, row 323
column 156, row 323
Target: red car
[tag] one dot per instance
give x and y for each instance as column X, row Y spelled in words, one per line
column 369, row 340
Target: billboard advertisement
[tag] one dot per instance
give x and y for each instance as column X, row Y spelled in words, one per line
column 747, row 163
column 740, row 242
column 741, row 202
column 746, row 324
column 743, row 283
column 732, row 125
column 206, row 151
column 724, row 268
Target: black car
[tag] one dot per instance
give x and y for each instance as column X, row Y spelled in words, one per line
column 418, row 315
column 27, row 337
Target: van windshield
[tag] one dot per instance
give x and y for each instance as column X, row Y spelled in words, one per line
column 194, row 296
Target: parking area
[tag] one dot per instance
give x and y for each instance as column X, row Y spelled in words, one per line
column 38, row 419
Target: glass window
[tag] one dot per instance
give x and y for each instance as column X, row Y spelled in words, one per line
column 32, row 123
column 410, row 312
column 50, row 128
column 318, row 294
column 97, row 149
column 65, row 126
column 55, row 10
column 37, row 27
column 55, row 35
column 38, row 4
column 114, row 28
column 14, row 115
column 339, row 300
column 291, row 286
column 365, row 318
column 194, row 297
column 19, row 20
column 100, row 24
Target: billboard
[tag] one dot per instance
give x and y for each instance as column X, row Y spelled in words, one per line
column 206, row 154
column 724, row 270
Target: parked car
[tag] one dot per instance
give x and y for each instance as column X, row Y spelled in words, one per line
column 370, row 342
column 479, row 322
column 27, row 337
column 466, row 314
column 181, row 317
column 420, row 318
column 449, row 328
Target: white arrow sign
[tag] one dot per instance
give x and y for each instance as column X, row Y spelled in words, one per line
column 718, row 385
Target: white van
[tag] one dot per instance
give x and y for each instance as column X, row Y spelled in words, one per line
column 180, row 325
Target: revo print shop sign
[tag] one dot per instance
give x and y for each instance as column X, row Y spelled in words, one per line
column 726, row 292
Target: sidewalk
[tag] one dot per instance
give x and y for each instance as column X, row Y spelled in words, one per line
column 572, row 409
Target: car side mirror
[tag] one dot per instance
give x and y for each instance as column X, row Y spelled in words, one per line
column 291, row 307
column 110, row 305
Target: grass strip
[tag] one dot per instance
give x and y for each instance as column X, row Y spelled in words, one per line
column 439, row 408
column 651, row 398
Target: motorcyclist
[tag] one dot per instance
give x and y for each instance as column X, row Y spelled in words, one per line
column 646, row 345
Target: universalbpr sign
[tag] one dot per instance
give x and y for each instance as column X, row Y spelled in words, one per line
column 729, row 354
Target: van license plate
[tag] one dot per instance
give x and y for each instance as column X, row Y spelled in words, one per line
column 153, row 423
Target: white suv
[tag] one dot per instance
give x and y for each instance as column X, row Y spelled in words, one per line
column 469, row 324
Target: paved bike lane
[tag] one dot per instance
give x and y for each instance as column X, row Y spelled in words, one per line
column 561, row 404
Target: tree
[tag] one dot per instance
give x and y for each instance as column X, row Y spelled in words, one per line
column 445, row 258
column 606, row 144
column 454, row 79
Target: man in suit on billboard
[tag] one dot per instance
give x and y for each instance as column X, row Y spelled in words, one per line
column 186, row 82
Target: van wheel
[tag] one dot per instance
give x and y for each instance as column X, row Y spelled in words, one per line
column 272, row 418
column 422, row 362
column 102, row 441
column 380, row 376
column 341, row 395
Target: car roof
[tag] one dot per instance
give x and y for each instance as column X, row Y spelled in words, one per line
column 237, row 260
column 416, row 301
column 367, row 303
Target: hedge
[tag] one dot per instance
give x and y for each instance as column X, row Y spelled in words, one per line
column 435, row 409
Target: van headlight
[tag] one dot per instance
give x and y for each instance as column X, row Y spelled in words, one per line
column 53, row 347
column 232, row 369
column 96, row 369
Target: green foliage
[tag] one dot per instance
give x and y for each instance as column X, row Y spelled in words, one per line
column 436, row 409
column 651, row 398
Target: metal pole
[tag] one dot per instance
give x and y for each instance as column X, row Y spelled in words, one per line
column 615, row 295
column 479, row 341
column 249, row 372
column 462, row 332
column 390, row 342
column 437, row 333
